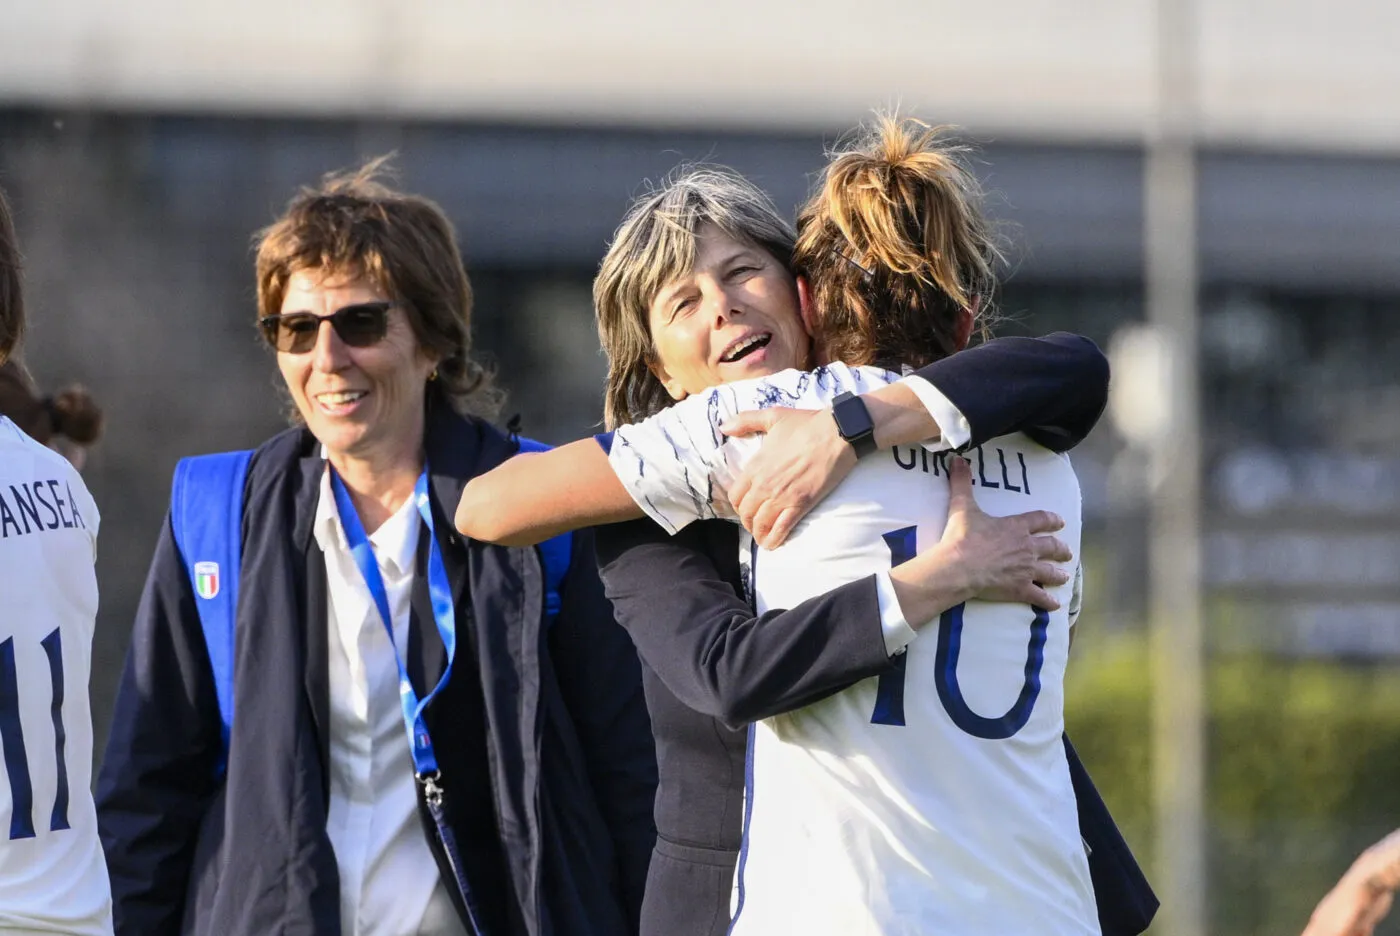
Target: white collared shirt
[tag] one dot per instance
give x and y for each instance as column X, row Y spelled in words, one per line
column 389, row 881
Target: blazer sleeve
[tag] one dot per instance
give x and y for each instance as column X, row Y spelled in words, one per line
column 1054, row 389
column 158, row 773
column 702, row 639
column 602, row 685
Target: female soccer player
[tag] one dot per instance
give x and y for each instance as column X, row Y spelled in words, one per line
column 964, row 822
column 52, row 876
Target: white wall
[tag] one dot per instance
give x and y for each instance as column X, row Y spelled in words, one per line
column 1291, row 73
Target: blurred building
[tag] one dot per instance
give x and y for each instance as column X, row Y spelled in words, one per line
column 144, row 142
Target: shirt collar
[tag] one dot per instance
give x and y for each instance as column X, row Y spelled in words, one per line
column 395, row 542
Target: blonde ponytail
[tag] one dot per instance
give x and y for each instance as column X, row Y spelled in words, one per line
column 896, row 247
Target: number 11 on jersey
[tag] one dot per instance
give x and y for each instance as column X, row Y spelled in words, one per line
column 12, row 739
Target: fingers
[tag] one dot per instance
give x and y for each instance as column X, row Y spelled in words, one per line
column 1038, row 597
column 751, row 422
column 960, row 498
column 738, row 491
column 747, row 511
column 782, row 527
column 1048, row 574
column 959, row 484
column 763, row 521
column 1379, row 910
column 1053, row 549
column 1042, row 521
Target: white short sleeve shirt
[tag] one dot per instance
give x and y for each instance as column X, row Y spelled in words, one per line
column 53, row 877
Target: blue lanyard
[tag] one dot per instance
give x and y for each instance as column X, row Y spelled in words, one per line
column 424, row 761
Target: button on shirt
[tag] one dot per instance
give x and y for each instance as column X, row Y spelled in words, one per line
column 389, row 881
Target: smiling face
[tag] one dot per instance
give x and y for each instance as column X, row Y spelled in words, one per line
column 734, row 315
column 363, row 403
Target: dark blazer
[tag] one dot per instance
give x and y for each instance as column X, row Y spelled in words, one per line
column 709, row 665
column 542, row 733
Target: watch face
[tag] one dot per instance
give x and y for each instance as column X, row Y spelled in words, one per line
column 852, row 418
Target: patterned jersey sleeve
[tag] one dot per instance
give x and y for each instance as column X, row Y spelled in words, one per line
column 675, row 464
column 679, row 467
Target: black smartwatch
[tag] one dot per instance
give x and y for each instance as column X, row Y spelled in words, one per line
column 853, row 422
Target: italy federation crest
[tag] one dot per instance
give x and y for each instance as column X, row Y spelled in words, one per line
column 206, row 579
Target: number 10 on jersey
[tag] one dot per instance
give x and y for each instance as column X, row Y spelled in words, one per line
column 889, row 691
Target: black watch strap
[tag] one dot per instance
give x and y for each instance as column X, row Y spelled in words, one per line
column 853, row 422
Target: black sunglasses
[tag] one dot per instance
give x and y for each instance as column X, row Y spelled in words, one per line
column 359, row 326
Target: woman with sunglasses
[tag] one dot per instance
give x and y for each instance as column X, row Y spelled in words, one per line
column 420, row 742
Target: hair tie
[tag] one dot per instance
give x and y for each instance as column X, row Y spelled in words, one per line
column 54, row 413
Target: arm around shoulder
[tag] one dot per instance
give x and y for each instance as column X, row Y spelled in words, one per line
column 538, row 495
column 1054, row 389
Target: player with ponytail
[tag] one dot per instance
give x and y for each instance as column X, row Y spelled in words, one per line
column 71, row 414
column 53, row 878
column 897, row 264
column 896, row 249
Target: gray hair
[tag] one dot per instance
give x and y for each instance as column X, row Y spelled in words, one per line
column 655, row 244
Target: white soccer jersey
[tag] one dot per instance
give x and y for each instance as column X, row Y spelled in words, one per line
column 932, row 800
column 53, row 878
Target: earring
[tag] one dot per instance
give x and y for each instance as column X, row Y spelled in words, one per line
column 433, row 375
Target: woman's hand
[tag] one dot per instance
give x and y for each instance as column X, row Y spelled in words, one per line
column 1363, row 896
column 802, row 458
column 991, row 558
column 1352, row 908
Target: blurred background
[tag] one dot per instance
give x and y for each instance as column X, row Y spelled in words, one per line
column 1248, row 503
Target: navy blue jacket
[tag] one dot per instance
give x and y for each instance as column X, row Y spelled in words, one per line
column 542, row 733
column 710, row 665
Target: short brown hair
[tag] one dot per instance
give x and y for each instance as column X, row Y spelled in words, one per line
column 654, row 244
column 895, row 246
column 11, row 296
column 355, row 224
